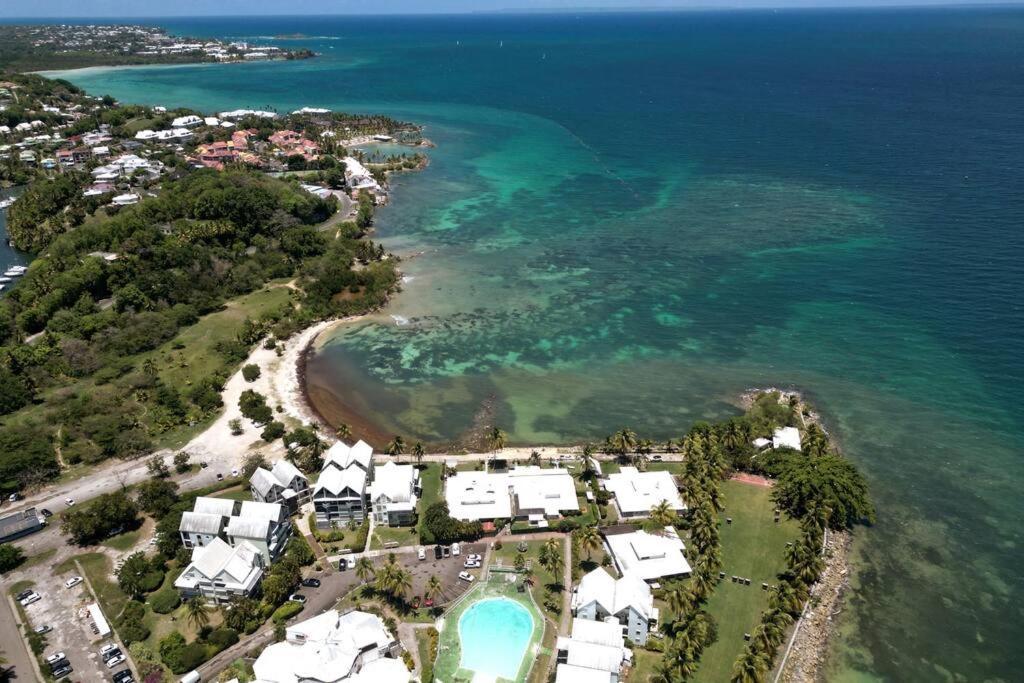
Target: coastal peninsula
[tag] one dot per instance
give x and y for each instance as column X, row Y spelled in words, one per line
column 152, row 397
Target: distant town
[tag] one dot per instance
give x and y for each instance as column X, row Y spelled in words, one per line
column 65, row 46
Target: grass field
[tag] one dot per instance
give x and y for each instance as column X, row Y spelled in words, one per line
column 402, row 535
column 124, row 541
column 430, row 482
column 753, row 546
column 235, row 493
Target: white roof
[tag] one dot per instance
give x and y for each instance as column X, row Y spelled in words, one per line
column 649, row 556
column 567, row 673
column 592, row 656
column 393, row 482
column 214, row 506
column 254, row 509
column 788, row 437
column 102, row 627
column 598, row 632
column 241, row 566
column 285, row 472
column 189, row 120
column 200, row 523
column 248, row 527
column 637, row 492
column 341, row 455
column 487, row 495
column 263, row 481
column 614, row 595
column 334, row 481
column 326, row 648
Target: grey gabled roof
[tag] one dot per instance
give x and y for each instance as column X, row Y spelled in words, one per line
column 200, row 523
column 263, row 481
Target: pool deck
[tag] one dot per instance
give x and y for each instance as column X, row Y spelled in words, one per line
column 449, row 654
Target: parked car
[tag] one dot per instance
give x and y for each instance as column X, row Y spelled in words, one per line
column 62, row 671
column 438, row 554
column 107, row 649
column 656, row 458
column 119, row 658
column 311, row 583
column 54, row 658
column 466, row 576
column 234, row 472
column 110, row 654
column 445, row 551
column 124, row 676
column 297, row 597
column 471, row 564
column 220, row 477
column 455, row 549
column 45, row 513
column 45, row 628
column 203, row 464
column 14, row 497
column 73, row 581
column 69, row 501
column 24, row 594
column 475, row 557
column 429, row 602
column 31, row 598
column 421, row 554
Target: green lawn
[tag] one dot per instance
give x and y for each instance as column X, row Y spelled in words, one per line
column 542, row 577
column 235, row 493
column 430, row 481
column 645, row 663
column 403, row 535
column 123, row 541
column 753, row 546
column 98, row 568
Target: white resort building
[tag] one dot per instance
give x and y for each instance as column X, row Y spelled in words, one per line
column 283, row 484
column 354, row 647
column 525, row 493
column 393, row 494
column 593, row 653
column 627, row 601
column 341, row 491
column 264, row 525
column 783, row 437
column 219, row 572
column 649, row 556
column 637, row 492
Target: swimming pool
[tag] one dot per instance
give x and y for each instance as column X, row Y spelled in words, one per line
column 493, row 634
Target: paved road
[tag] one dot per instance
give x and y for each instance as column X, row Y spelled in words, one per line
column 19, row 663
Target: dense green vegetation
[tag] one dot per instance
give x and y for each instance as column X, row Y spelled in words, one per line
column 87, row 384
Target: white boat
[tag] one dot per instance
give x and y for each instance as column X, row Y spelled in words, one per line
column 5, row 279
column 6, row 203
column 13, row 273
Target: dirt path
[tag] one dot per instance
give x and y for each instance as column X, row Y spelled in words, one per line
column 752, row 479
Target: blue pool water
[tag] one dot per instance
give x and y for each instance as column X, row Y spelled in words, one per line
column 494, row 634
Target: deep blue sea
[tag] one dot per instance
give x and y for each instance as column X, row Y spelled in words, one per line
column 629, row 219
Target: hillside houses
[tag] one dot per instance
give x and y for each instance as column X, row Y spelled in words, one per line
column 393, row 494
column 340, row 494
column 264, row 525
column 220, row 572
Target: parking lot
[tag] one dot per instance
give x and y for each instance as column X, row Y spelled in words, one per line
column 65, row 611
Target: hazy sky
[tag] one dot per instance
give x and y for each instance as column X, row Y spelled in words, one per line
column 163, row 8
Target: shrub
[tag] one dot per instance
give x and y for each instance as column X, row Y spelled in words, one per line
column 164, row 601
column 251, row 372
column 150, row 581
column 286, row 611
column 192, row 656
column 223, row 638
column 274, row 430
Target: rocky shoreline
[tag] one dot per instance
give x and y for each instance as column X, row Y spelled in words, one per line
column 805, row 659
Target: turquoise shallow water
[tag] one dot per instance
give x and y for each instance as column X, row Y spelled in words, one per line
column 493, row 635
column 629, row 219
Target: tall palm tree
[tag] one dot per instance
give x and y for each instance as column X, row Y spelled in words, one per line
column 498, row 437
column 589, row 539
column 401, row 583
column 551, row 556
column 434, row 587
column 662, row 515
column 623, row 441
column 396, row 447
column 417, row 452
column 678, row 601
column 343, row 432
column 751, row 667
column 364, row 569
column 197, row 613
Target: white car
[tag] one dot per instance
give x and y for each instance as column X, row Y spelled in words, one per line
column 474, row 557
column 421, row 554
column 234, row 472
column 69, row 501
column 55, row 657
column 114, row 661
column 45, row 628
column 471, row 564
column 455, row 549
column 32, row 597
column 73, row 581
column 109, row 647
column 466, row 576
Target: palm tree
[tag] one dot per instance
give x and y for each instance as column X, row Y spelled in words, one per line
column 662, row 515
column 498, row 437
column 396, row 447
column 678, row 601
column 751, row 667
column 197, row 613
column 551, row 556
column 623, row 441
column 589, row 539
column 434, row 587
column 343, row 432
column 401, row 583
column 364, row 569
column 417, row 451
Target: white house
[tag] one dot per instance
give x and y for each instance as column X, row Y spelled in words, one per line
column 637, row 492
column 189, row 121
column 358, row 176
column 593, row 652
column 393, row 494
column 627, row 601
column 786, row 437
column 126, row 199
column 283, row 484
column 529, row 493
column 649, row 556
column 341, row 491
column 220, row 572
column 353, row 647
column 263, row 525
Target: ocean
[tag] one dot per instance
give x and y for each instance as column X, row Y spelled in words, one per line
column 629, row 219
